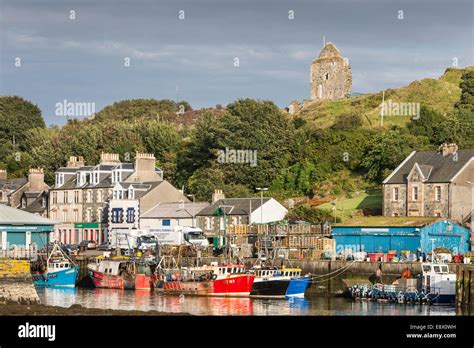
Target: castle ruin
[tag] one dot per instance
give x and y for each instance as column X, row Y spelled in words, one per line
column 330, row 75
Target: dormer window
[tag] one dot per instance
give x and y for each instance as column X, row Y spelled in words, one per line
column 117, row 194
column 116, row 176
column 95, row 178
column 131, row 193
column 81, row 178
column 23, row 203
column 59, row 179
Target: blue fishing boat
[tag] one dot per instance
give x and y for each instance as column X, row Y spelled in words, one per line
column 60, row 270
column 298, row 284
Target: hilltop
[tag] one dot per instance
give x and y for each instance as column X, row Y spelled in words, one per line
column 440, row 95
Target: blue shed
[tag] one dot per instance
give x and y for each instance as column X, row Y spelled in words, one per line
column 20, row 228
column 445, row 234
column 381, row 234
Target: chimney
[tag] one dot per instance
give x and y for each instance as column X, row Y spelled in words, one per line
column 109, row 158
column 448, row 149
column 217, row 195
column 36, row 179
column 145, row 167
column 3, row 174
column 75, row 162
column 145, row 162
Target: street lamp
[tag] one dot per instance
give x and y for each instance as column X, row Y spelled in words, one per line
column 261, row 189
column 193, row 207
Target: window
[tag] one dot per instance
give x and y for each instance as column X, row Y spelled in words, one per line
column 43, row 202
column 166, row 222
column 117, row 216
column 99, row 214
column 130, row 215
column 76, row 215
column 415, row 193
column 89, row 196
column 55, row 197
column 326, row 76
column 76, row 196
column 64, row 215
column 438, row 193
column 89, row 215
column 100, row 196
column 66, row 200
column 395, row 194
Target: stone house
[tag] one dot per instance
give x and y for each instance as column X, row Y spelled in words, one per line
column 83, row 196
column 432, row 183
column 29, row 194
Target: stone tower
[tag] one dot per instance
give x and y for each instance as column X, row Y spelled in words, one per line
column 330, row 75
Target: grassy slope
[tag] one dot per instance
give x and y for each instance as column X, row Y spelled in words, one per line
column 345, row 207
column 438, row 94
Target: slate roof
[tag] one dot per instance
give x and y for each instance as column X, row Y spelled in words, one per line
column 12, row 216
column 175, row 210
column 12, row 184
column 435, row 166
column 241, row 206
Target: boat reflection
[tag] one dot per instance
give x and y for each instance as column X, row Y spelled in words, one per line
column 150, row 300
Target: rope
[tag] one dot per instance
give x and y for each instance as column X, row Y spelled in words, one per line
column 336, row 272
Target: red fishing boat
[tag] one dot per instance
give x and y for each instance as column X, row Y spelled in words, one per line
column 227, row 280
column 119, row 273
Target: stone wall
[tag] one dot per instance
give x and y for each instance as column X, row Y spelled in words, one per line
column 16, row 284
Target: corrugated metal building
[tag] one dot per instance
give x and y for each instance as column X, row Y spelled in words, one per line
column 381, row 234
column 22, row 229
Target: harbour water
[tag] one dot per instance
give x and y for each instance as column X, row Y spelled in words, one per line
column 146, row 300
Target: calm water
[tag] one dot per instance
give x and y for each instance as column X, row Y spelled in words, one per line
column 146, row 300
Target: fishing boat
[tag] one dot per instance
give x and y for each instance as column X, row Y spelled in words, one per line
column 121, row 273
column 438, row 283
column 298, row 283
column 211, row 280
column 269, row 283
column 60, row 270
column 435, row 285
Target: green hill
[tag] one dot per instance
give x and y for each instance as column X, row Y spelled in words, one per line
column 438, row 94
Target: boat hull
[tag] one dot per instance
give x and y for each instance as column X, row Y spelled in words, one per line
column 272, row 288
column 111, row 281
column 64, row 278
column 442, row 299
column 234, row 286
column 298, row 286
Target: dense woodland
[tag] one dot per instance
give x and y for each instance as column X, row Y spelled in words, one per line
column 296, row 158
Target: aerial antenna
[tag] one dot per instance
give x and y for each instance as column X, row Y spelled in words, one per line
column 324, row 41
column 177, row 94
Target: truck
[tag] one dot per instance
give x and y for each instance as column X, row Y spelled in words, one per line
column 179, row 235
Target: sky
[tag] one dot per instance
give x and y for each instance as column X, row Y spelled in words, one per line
column 81, row 56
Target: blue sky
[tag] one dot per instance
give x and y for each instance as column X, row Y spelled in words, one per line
column 82, row 60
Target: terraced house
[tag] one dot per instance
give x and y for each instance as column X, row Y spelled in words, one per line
column 89, row 201
column 29, row 194
column 432, row 183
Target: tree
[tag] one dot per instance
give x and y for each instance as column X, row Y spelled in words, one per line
column 428, row 124
column 17, row 116
column 465, row 110
column 387, row 150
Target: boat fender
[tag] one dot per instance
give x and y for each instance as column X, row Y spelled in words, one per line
column 214, row 277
